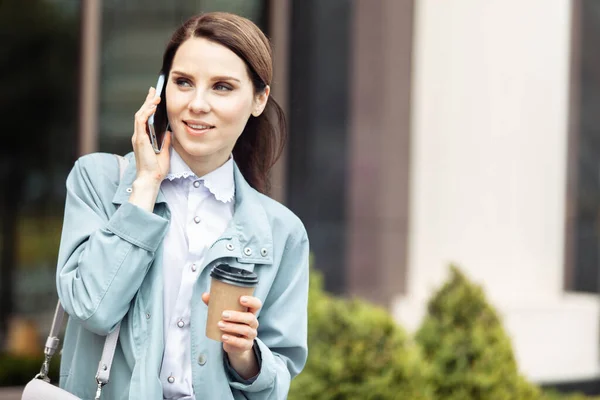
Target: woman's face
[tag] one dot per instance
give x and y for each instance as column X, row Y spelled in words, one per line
column 209, row 99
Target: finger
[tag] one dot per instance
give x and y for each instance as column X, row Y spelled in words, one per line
column 239, row 330
column 236, row 344
column 253, row 303
column 148, row 99
column 246, row 318
column 146, row 110
column 140, row 132
column 205, row 297
column 141, row 119
column 149, row 104
column 151, row 94
column 152, row 99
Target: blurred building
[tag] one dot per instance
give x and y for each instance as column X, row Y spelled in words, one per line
column 422, row 133
column 504, row 171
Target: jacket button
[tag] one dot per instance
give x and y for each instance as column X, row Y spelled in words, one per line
column 202, row 359
column 248, row 251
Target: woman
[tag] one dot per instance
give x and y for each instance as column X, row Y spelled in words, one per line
column 139, row 250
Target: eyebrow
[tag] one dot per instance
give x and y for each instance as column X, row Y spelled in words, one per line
column 214, row 78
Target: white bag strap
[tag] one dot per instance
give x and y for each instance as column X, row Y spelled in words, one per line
column 110, row 344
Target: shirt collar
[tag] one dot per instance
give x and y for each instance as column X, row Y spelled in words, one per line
column 219, row 182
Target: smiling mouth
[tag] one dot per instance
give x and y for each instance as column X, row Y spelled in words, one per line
column 198, row 127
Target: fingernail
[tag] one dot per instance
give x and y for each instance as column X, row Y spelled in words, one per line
column 225, row 338
column 221, row 324
column 244, row 299
column 226, row 315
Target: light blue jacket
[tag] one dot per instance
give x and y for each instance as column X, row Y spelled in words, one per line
column 110, row 269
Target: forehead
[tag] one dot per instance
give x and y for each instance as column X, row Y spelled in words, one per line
column 202, row 57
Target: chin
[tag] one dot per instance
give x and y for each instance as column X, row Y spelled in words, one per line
column 197, row 149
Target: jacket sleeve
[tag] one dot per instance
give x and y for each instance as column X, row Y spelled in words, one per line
column 282, row 332
column 103, row 255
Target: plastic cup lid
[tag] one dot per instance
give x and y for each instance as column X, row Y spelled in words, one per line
column 234, row 276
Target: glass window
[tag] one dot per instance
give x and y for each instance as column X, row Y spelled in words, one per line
column 318, row 120
column 39, row 59
column 587, row 150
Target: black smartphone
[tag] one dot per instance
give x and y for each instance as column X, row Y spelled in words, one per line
column 158, row 122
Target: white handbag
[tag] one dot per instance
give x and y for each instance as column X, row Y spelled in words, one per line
column 40, row 388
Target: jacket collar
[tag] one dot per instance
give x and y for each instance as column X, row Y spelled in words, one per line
column 248, row 236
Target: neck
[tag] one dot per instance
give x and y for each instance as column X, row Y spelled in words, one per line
column 201, row 165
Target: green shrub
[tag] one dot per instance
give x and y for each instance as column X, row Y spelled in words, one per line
column 471, row 355
column 17, row 371
column 357, row 351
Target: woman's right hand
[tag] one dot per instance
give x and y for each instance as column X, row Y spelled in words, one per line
column 151, row 167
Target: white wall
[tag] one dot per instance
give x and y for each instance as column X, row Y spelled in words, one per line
column 490, row 102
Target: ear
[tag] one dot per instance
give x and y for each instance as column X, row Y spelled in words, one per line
column 260, row 101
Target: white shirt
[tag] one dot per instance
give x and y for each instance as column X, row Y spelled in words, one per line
column 201, row 209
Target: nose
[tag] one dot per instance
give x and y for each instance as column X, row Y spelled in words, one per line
column 199, row 103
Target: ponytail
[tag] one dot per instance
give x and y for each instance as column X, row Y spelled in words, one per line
column 260, row 145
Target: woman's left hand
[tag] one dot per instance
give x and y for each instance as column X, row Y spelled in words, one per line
column 239, row 328
column 239, row 331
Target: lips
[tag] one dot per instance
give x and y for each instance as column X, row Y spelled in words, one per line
column 198, row 126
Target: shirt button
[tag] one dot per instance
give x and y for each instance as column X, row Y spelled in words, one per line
column 194, row 268
column 180, row 323
column 229, row 247
column 147, row 315
column 263, row 252
column 197, row 184
column 202, row 359
column 129, row 190
column 171, row 379
column 248, row 251
column 197, row 220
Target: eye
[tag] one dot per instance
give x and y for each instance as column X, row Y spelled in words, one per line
column 221, row 87
column 182, row 82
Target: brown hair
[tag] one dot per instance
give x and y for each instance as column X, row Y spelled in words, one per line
column 263, row 138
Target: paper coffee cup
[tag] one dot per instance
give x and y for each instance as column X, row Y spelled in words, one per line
column 227, row 285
